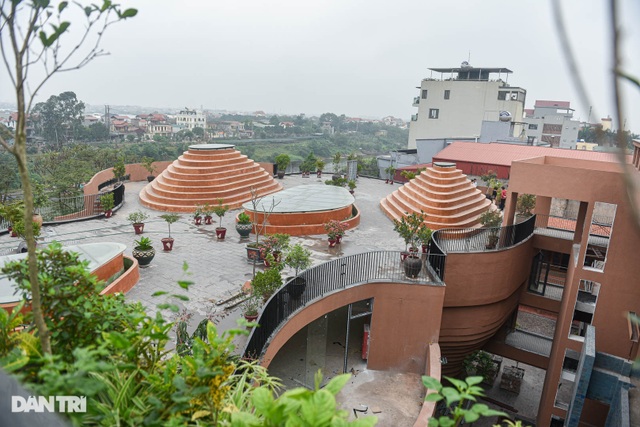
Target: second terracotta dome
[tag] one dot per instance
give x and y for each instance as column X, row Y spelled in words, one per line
column 204, row 174
column 444, row 193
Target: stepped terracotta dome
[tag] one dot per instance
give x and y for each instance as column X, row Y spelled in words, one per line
column 444, row 193
column 204, row 174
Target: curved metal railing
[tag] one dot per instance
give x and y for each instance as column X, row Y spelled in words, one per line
column 328, row 277
column 452, row 240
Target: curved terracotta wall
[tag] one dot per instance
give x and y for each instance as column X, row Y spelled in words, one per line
column 305, row 223
column 482, row 291
column 405, row 321
column 126, row 281
column 135, row 170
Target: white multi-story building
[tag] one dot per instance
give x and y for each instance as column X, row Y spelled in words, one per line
column 189, row 119
column 551, row 122
column 454, row 106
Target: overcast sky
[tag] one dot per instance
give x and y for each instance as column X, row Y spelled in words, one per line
column 355, row 57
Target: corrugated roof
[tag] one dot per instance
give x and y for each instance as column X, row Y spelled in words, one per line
column 503, row 154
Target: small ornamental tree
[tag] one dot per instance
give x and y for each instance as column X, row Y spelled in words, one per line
column 220, row 210
column 526, row 204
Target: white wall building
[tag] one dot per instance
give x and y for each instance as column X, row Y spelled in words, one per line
column 454, row 106
column 189, row 119
column 551, row 122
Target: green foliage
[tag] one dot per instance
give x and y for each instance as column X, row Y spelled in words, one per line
column 480, row 363
column 309, row 163
column 298, row 258
column 390, row 171
column 19, row 228
column 74, row 310
column 107, row 202
column 147, row 163
column 352, row 185
column 455, row 398
column 119, row 170
column 489, row 177
column 144, row 244
column 265, row 283
column 40, row 197
column 137, row 217
column 170, row 219
column 283, row 161
column 338, row 182
column 220, row 210
column 250, row 306
column 320, row 164
column 526, row 203
column 424, row 235
column 59, row 119
column 491, row 218
column 410, row 228
column 243, row 218
column 300, row 407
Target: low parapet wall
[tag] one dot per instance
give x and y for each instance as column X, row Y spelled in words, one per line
column 136, row 171
column 433, row 369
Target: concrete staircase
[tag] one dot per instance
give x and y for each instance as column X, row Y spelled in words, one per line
column 204, row 176
column 443, row 193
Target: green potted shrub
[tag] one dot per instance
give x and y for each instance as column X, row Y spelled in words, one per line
column 298, row 258
column 243, row 225
column 424, row 237
column 250, row 308
column 391, row 171
column 336, row 166
column 491, row 220
column 12, row 212
column 147, row 163
column 143, row 251
column 409, row 228
column 265, row 283
column 138, row 218
column 207, row 211
column 19, row 230
column 274, row 245
column 525, row 205
column 320, row 164
column 352, row 186
column 197, row 215
column 282, row 161
column 220, row 210
column 482, row 364
column 167, row 242
column 335, row 231
column 107, row 204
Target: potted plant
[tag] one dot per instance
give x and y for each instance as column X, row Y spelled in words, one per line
column 335, row 230
column 197, row 215
column 319, row 166
column 107, row 204
column 220, row 210
column 12, row 212
column 265, row 283
column 480, row 363
column 352, row 186
column 143, row 251
column 19, row 230
column 424, row 237
column 137, row 218
column 390, row 174
column 273, row 245
column 525, row 205
column 336, row 165
column 491, row 220
column 282, row 161
column 147, row 163
column 167, row 242
column 207, row 212
column 250, row 309
column 408, row 227
column 298, row 258
column 119, row 169
column 243, row 225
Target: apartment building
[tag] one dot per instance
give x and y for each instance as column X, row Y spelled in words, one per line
column 551, row 123
column 189, row 119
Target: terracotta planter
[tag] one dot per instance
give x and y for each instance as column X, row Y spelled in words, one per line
column 108, row 213
column 424, row 248
column 197, row 220
column 319, row 174
column 138, row 227
column 339, row 238
column 167, row 244
column 208, row 220
column 221, row 232
column 250, row 318
column 332, row 243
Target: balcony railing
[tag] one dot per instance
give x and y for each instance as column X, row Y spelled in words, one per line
column 414, row 117
column 329, row 277
column 465, row 240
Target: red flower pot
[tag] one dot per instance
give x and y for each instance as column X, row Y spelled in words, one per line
column 332, row 243
column 167, row 244
column 221, row 232
column 424, row 248
column 207, row 220
column 139, row 228
column 198, row 220
column 108, row 213
column 339, row 238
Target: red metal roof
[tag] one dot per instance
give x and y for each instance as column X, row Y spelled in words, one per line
column 503, row 154
column 558, row 104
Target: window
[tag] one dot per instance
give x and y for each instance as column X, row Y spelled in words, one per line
column 447, row 94
column 424, row 94
column 533, row 127
column 434, row 113
column 502, row 95
column 584, row 309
